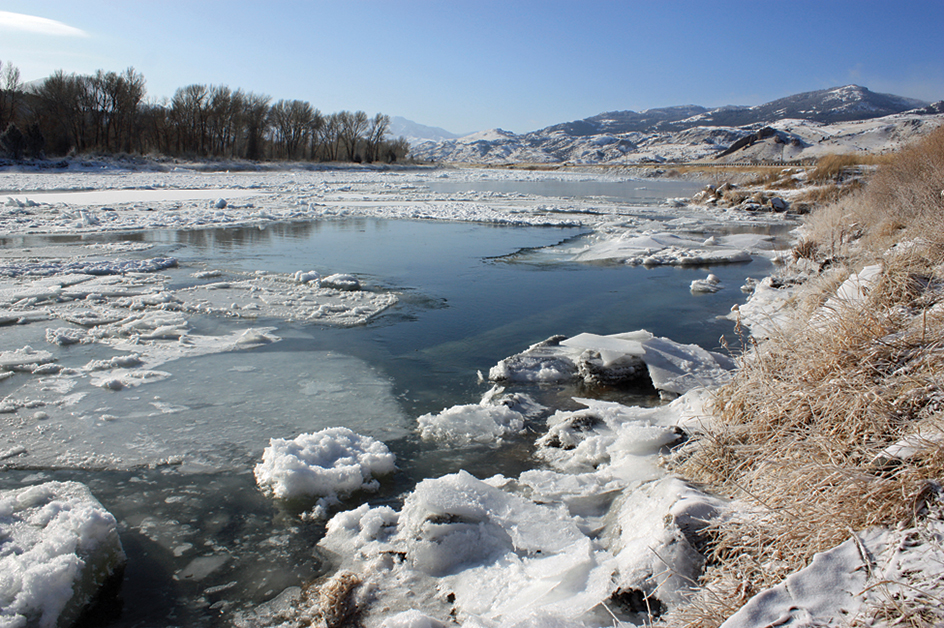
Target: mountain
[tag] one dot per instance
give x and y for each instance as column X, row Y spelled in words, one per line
column 415, row 132
column 627, row 121
column 801, row 126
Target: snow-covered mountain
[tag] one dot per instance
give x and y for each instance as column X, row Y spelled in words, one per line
column 807, row 125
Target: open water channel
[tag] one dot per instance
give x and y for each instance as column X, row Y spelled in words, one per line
column 201, row 539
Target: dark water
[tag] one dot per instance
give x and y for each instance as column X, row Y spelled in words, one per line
column 200, row 545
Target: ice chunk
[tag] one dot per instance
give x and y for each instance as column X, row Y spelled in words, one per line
column 678, row 368
column 656, row 536
column 489, row 421
column 541, row 362
column 60, row 546
column 471, row 423
column 672, row 367
column 610, row 348
column 328, row 464
column 25, row 358
column 341, row 281
column 711, row 283
column 305, row 277
column 504, row 556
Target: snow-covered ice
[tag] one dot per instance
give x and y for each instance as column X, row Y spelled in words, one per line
column 619, row 359
column 58, row 547
column 329, row 464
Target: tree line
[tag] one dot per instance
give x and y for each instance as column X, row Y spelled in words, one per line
column 107, row 112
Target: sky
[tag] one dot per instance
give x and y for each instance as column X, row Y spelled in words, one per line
column 466, row 66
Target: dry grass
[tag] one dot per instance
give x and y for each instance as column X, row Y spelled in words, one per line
column 804, row 425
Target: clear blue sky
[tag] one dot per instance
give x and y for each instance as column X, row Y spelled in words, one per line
column 473, row 65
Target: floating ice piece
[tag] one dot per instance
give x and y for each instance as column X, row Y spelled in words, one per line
column 489, row 421
column 86, row 267
column 341, row 281
column 220, row 203
column 25, row 358
column 66, row 336
column 542, row 362
column 288, row 297
column 60, row 546
column 616, row 359
column 711, row 283
column 328, row 464
column 302, row 276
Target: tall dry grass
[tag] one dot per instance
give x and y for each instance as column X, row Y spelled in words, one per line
column 804, row 426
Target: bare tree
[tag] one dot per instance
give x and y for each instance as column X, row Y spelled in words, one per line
column 255, row 112
column 353, row 126
column 10, row 94
column 376, row 131
column 292, row 123
column 331, row 137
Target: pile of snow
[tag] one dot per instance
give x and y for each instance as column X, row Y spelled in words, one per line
column 58, row 547
column 618, row 359
column 329, row 464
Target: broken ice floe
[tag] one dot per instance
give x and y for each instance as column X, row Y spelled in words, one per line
column 335, row 300
column 618, row 359
column 85, row 267
column 663, row 248
column 329, row 464
column 60, row 547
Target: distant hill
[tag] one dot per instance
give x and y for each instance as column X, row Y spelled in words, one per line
column 415, row 132
column 840, row 119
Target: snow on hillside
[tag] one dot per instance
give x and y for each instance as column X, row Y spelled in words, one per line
column 808, row 125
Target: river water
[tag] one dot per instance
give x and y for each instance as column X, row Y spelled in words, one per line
column 201, row 539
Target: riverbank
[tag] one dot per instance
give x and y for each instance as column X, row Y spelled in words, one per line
column 829, row 435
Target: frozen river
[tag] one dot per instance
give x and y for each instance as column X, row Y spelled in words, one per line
column 172, row 456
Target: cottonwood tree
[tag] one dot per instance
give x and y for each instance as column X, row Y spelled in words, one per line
column 291, row 121
column 255, row 112
column 353, row 126
column 376, row 131
column 188, row 113
column 331, row 137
